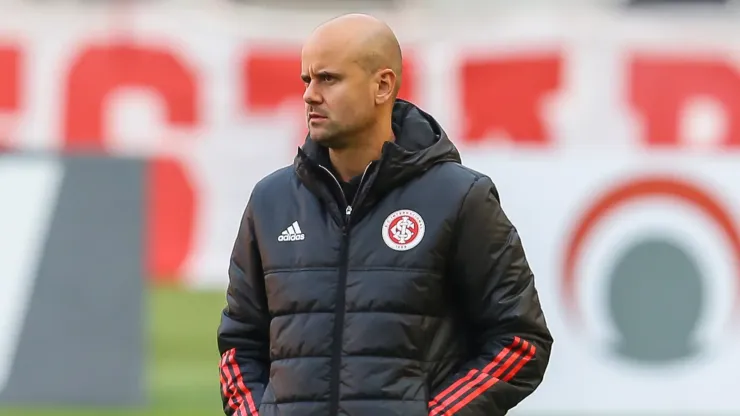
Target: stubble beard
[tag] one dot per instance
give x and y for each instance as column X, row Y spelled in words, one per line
column 336, row 139
column 343, row 137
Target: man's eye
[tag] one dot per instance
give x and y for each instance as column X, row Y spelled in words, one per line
column 326, row 77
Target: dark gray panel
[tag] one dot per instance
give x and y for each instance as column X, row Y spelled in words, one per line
column 83, row 340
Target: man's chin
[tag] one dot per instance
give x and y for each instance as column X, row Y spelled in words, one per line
column 328, row 141
column 318, row 138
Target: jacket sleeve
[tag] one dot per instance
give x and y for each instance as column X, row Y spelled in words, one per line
column 510, row 341
column 243, row 334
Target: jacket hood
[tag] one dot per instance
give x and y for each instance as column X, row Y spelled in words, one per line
column 420, row 144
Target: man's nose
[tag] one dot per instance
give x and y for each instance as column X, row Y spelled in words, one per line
column 311, row 96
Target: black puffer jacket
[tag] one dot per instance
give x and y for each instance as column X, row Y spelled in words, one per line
column 416, row 299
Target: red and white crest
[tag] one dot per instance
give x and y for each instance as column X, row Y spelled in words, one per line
column 403, row 230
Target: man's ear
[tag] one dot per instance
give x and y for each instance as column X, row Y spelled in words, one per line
column 386, row 80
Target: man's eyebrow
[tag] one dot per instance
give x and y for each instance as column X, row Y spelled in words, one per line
column 334, row 73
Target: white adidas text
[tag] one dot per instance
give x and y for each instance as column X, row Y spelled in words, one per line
column 292, row 233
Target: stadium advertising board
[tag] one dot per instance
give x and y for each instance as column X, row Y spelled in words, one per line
column 614, row 142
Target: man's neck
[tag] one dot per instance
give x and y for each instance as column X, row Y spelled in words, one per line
column 352, row 161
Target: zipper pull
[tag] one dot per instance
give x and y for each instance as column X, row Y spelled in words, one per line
column 348, row 211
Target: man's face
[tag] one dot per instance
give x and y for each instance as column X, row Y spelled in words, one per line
column 339, row 93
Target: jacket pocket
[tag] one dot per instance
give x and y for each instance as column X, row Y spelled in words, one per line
column 427, row 388
column 426, row 397
column 268, row 397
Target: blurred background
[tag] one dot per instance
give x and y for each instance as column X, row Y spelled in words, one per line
column 132, row 132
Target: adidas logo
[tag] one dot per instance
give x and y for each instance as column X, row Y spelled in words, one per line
column 293, row 233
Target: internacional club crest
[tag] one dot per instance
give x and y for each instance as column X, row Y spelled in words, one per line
column 403, row 230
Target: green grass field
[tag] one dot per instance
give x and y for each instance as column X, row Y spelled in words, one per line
column 184, row 359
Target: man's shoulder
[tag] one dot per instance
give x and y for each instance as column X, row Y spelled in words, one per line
column 461, row 175
column 274, row 181
column 275, row 184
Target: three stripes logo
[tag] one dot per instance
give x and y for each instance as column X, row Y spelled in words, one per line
column 238, row 396
column 292, row 233
column 504, row 367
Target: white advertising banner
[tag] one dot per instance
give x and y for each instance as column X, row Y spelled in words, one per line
column 614, row 141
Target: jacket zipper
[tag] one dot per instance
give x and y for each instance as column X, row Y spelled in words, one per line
column 341, row 294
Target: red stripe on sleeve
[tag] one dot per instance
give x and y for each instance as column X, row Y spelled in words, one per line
column 477, row 382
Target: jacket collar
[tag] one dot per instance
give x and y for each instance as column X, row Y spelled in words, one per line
column 420, row 144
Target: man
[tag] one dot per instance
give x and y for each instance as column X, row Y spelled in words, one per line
column 376, row 276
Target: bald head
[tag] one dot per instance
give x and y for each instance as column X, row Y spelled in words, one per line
column 366, row 40
column 351, row 68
